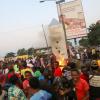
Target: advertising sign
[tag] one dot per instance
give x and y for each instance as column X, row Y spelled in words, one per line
column 73, row 18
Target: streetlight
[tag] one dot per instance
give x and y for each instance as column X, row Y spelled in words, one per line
column 60, row 1
column 45, row 0
column 62, row 21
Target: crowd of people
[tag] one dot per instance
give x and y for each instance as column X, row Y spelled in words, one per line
column 88, row 53
column 44, row 79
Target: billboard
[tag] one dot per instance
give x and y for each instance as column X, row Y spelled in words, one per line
column 73, row 18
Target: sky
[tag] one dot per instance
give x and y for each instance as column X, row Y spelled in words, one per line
column 21, row 22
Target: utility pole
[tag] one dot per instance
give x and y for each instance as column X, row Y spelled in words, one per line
column 58, row 3
column 45, row 36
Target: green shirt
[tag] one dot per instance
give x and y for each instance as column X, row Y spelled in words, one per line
column 16, row 69
column 14, row 93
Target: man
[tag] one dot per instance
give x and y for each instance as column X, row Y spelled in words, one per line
column 57, row 71
column 84, row 74
column 25, row 68
column 94, row 81
column 66, row 71
column 16, row 67
column 26, row 85
column 81, row 86
column 38, row 94
column 14, row 92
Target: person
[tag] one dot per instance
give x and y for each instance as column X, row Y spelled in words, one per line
column 57, row 71
column 72, row 65
column 38, row 94
column 94, row 81
column 52, row 60
column 14, row 92
column 66, row 72
column 84, row 74
column 30, row 64
column 81, row 86
column 26, row 85
column 10, row 73
column 16, row 67
column 2, row 79
column 2, row 93
column 78, row 56
column 26, row 69
column 37, row 73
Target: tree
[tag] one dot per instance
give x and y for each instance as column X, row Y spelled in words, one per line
column 94, row 34
column 69, row 43
column 30, row 51
column 84, row 42
column 10, row 54
column 21, row 52
column 93, row 38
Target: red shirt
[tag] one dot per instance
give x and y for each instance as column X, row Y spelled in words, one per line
column 81, row 88
column 26, row 84
column 84, row 77
column 2, row 79
column 58, row 72
column 10, row 75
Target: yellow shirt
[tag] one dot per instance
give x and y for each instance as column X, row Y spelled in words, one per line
column 27, row 69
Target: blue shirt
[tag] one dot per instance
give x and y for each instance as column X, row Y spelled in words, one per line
column 41, row 95
column 41, row 77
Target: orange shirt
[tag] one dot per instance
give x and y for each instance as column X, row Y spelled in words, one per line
column 81, row 88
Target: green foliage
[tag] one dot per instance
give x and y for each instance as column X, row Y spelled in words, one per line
column 30, row 51
column 93, row 38
column 94, row 34
column 21, row 52
column 10, row 54
column 84, row 42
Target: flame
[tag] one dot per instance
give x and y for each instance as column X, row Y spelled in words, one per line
column 98, row 63
column 62, row 61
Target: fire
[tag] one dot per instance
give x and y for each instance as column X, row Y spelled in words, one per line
column 98, row 63
column 62, row 61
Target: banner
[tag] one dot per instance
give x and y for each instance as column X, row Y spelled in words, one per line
column 73, row 17
column 57, row 41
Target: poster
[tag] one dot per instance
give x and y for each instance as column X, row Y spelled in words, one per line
column 73, row 17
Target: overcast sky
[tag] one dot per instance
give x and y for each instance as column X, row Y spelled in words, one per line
column 21, row 20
